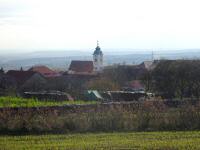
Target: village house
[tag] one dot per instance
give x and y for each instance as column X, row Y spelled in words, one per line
column 134, row 85
column 27, row 80
column 45, row 71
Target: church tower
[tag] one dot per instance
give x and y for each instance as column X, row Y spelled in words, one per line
column 98, row 59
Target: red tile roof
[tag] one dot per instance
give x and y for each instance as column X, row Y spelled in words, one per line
column 78, row 66
column 20, row 76
column 136, row 84
column 45, row 71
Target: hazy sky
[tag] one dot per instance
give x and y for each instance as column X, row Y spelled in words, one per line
column 31, row 25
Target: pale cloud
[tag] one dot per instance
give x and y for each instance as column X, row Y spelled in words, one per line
column 65, row 24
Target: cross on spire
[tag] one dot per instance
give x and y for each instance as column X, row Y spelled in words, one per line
column 97, row 43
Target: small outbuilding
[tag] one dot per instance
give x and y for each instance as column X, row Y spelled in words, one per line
column 93, row 95
column 49, row 95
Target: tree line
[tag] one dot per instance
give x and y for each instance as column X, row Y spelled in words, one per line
column 174, row 79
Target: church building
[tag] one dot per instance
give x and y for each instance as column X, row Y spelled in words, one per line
column 98, row 59
column 81, row 67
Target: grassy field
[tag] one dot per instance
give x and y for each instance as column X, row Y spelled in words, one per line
column 22, row 102
column 89, row 141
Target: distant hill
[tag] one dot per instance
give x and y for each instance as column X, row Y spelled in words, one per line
column 60, row 60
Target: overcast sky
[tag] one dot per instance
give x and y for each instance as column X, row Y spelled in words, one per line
column 31, row 25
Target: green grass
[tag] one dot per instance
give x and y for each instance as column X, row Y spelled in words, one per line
column 22, row 102
column 89, row 141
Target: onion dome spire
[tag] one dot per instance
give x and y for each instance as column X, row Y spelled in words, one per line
column 97, row 50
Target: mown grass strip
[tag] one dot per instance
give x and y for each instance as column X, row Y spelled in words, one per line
column 90, row 141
